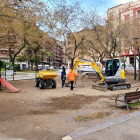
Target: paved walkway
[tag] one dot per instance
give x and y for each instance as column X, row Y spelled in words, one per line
column 127, row 130
column 123, row 128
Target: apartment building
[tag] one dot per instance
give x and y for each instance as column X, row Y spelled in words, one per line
column 57, row 60
column 4, row 55
column 59, row 57
column 124, row 12
column 4, row 49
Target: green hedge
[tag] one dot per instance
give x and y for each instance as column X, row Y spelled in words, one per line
column 6, row 63
column 17, row 67
column 9, row 66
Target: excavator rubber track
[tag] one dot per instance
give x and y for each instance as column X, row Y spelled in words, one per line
column 120, row 86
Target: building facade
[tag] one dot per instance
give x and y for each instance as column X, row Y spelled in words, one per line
column 59, row 57
column 125, row 12
column 4, row 55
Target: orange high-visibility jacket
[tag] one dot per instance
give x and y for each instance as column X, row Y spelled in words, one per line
column 72, row 75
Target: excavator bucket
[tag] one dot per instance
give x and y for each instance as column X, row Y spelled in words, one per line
column 99, row 87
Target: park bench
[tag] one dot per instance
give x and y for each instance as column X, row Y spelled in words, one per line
column 128, row 97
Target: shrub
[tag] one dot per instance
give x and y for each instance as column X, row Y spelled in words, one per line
column 17, row 67
column 7, row 64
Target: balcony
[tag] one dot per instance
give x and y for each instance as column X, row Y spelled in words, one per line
column 57, row 58
column 57, row 54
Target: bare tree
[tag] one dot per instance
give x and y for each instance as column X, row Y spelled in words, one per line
column 102, row 39
column 70, row 23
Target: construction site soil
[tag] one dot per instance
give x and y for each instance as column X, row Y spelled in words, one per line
column 51, row 114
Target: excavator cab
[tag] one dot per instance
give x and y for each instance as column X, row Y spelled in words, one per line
column 112, row 67
column 113, row 72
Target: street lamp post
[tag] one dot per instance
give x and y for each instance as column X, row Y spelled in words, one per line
column 134, row 67
column 139, row 57
column 139, row 64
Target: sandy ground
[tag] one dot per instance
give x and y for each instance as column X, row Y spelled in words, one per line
column 50, row 114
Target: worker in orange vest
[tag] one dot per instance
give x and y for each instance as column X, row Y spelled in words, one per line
column 71, row 76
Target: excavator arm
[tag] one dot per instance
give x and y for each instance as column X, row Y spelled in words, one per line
column 94, row 65
column 98, row 72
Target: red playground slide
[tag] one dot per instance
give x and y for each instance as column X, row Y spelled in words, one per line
column 8, row 85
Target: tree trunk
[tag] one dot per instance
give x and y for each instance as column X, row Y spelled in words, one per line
column 42, row 60
column 13, row 63
column 36, row 61
column 31, row 65
column 101, row 59
column 72, row 61
column 13, row 60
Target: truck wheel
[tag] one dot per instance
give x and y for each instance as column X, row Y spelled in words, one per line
column 53, row 84
column 41, row 84
column 37, row 82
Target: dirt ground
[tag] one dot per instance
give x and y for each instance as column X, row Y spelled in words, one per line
column 50, row 114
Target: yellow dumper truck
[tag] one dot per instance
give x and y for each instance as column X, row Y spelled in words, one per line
column 45, row 79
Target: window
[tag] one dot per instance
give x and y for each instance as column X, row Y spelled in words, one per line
column 138, row 13
column 108, row 71
column 112, row 67
column 132, row 61
column 116, row 65
column 122, row 17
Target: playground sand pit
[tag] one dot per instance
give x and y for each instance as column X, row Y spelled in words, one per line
column 50, row 114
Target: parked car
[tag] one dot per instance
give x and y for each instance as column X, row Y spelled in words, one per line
column 103, row 69
column 29, row 68
column 128, row 67
column 88, row 68
column 44, row 66
column 56, row 67
column 63, row 66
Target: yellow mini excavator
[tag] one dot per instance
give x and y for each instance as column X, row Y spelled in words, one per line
column 114, row 76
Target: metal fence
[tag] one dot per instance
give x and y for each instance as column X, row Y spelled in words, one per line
column 18, row 76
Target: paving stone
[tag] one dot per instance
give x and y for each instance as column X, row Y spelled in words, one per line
column 103, row 125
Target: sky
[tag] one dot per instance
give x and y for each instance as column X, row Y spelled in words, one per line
column 101, row 5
